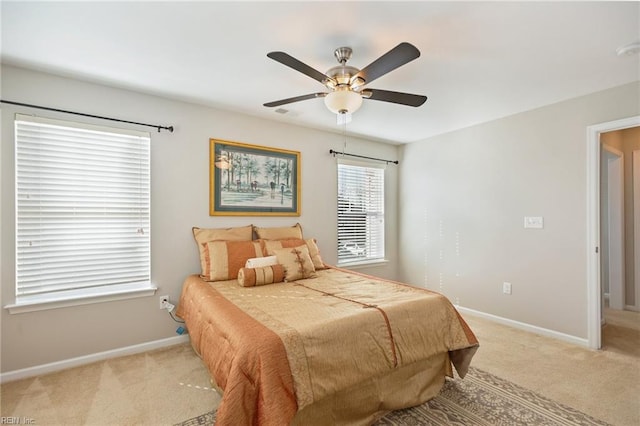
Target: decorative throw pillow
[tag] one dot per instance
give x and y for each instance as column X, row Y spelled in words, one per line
column 204, row 235
column 297, row 263
column 258, row 262
column 223, row 259
column 279, row 233
column 251, row 277
column 314, row 252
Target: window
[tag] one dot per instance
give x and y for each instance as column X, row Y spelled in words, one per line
column 360, row 212
column 83, row 211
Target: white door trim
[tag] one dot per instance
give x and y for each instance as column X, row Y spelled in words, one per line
column 593, row 223
column 636, row 223
column 615, row 234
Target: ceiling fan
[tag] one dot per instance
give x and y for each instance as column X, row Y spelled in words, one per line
column 346, row 83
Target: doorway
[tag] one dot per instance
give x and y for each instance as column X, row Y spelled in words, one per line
column 594, row 284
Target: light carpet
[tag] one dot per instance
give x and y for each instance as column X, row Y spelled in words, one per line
column 480, row 399
column 170, row 385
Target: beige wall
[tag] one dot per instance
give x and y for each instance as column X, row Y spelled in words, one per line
column 464, row 196
column 627, row 141
column 179, row 201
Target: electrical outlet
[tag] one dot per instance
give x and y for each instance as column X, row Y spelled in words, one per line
column 163, row 300
column 506, row 288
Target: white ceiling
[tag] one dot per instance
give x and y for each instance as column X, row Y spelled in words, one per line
column 479, row 60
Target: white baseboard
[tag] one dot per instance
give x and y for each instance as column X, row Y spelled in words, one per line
column 88, row 359
column 157, row 344
column 526, row 327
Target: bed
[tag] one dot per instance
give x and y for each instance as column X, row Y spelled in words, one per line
column 331, row 347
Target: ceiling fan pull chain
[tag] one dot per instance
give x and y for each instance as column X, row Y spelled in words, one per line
column 344, row 135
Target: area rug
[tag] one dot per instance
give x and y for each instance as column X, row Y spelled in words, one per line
column 480, row 399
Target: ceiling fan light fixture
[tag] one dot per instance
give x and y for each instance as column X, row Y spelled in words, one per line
column 343, row 101
column 330, row 83
column 356, row 83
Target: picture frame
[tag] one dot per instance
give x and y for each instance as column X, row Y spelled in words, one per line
column 253, row 180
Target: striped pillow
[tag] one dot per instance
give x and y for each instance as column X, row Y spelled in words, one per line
column 251, row 277
column 204, row 235
column 223, row 259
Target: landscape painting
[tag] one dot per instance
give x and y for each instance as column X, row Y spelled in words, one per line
column 248, row 180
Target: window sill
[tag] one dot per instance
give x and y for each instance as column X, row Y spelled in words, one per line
column 363, row 264
column 122, row 292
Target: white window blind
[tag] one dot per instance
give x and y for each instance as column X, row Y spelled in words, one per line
column 360, row 212
column 83, row 210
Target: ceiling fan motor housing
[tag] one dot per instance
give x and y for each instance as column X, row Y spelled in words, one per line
column 342, row 74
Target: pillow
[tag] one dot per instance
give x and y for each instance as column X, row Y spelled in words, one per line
column 251, row 277
column 223, row 259
column 314, row 252
column 203, row 235
column 280, row 233
column 296, row 262
column 258, row 262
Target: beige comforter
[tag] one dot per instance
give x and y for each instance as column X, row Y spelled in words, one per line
column 278, row 348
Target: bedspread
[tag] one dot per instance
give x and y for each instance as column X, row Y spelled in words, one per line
column 276, row 349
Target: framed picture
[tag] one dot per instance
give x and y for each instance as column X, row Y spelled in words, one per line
column 251, row 180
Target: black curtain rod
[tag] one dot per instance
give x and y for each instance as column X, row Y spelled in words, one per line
column 362, row 156
column 169, row 128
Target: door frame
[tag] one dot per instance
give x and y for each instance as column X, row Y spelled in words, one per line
column 616, row 226
column 594, row 335
column 636, row 223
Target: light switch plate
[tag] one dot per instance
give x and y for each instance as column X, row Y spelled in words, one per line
column 536, row 222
